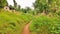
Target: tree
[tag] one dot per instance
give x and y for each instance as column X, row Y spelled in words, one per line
column 11, row 7
column 46, row 5
column 15, row 4
column 16, row 7
column 3, row 3
column 24, row 10
column 19, row 7
column 28, row 8
column 41, row 5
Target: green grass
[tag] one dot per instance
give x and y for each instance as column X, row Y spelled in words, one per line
column 45, row 25
column 11, row 23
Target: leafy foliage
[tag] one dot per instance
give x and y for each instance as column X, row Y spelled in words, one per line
column 45, row 25
column 11, row 23
column 3, row 3
column 47, row 5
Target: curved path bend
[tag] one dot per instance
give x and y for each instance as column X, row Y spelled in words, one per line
column 26, row 29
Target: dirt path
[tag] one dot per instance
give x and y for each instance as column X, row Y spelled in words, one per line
column 26, row 29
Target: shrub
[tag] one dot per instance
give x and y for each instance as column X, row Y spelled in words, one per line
column 45, row 25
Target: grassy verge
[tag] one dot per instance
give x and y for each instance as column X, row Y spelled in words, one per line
column 11, row 23
column 45, row 25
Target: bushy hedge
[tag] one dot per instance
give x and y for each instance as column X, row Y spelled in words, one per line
column 45, row 25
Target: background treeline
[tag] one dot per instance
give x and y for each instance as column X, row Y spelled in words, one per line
column 40, row 6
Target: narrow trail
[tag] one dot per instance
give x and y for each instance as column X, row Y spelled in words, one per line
column 26, row 29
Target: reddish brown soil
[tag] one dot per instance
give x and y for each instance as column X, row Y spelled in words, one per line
column 26, row 29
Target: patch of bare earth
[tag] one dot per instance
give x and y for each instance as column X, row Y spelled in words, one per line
column 26, row 29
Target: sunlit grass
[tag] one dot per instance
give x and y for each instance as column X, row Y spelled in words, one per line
column 11, row 23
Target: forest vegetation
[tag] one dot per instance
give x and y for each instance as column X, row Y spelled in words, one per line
column 45, row 17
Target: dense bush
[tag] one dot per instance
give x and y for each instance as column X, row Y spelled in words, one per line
column 45, row 25
column 11, row 23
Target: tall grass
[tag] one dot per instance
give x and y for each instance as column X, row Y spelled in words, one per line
column 45, row 25
column 11, row 23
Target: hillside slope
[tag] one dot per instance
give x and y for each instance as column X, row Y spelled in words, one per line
column 11, row 23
